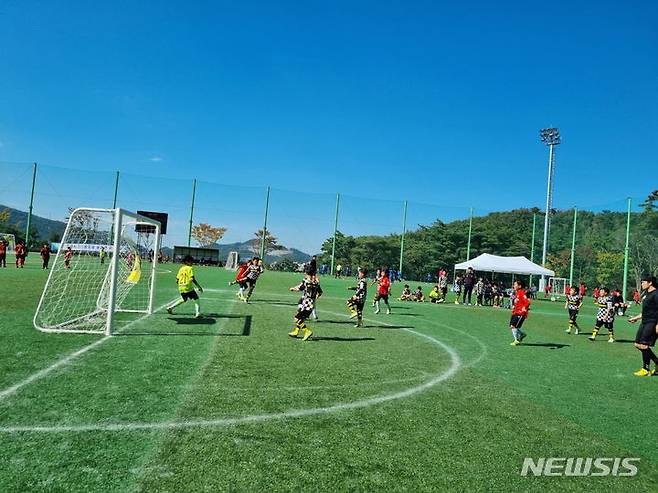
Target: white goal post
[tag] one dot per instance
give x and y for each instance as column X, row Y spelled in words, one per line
column 232, row 261
column 10, row 239
column 105, row 264
column 559, row 286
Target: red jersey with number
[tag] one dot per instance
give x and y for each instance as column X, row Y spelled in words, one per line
column 521, row 304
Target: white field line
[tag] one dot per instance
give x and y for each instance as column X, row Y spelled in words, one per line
column 66, row 360
column 455, row 365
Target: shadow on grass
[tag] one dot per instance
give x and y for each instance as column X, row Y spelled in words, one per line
column 550, row 345
column 206, row 319
column 342, row 339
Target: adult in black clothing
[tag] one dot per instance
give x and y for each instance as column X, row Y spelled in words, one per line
column 469, row 282
column 647, row 334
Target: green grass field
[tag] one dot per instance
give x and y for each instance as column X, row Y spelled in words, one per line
column 429, row 398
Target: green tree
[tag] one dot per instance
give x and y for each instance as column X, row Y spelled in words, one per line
column 609, row 269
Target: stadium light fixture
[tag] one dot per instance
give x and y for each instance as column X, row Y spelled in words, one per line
column 551, row 138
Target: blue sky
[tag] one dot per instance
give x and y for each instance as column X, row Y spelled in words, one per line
column 433, row 102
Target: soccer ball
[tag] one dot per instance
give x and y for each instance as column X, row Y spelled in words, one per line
column 553, row 298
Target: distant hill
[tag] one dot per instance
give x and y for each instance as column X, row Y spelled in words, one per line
column 245, row 251
column 45, row 228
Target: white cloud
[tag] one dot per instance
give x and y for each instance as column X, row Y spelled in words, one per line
column 156, row 159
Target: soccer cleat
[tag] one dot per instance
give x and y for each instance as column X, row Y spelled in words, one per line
column 577, row 332
column 592, row 337
column 170, row 311
column 376, row 311
column 388, row 311
column 198, row 315
column 568, row 331
column 456, row 302
column 294, row 333
column 515, row 342
column 611, row 339
column 642, row 372
column 307, row 333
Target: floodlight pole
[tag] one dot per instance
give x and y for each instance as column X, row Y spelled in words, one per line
column 404, row 232
column 189, row 232
column 333, row 241
column 29, row 211
column 628, row 235
column 116, row 191
column 573, row 246
column 551, row 138
column 264, row 235
column 470, row 229
column 532, row 242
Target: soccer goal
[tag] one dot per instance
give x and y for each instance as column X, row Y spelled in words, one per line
column 10, row 239
column 105, row 264
column 559, row 286
column 232, row 261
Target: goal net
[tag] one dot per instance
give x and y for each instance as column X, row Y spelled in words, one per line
column 232, row 261
column 9, row 239
column 105, row 265
column 559, row 286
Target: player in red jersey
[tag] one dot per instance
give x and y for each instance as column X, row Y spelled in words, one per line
column 3, row 253
column 68, row 255
column 241, row 278
column 21, row 252
column 519, row 312
column 383, row 291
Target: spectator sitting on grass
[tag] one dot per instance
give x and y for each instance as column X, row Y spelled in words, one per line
column 418, row 295
column 406, row 294
column 435, row 295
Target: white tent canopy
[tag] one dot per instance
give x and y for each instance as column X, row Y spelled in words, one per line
column 505, row 265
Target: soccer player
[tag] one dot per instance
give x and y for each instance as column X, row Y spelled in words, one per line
column 45, row 256
column 101, row 255
column 68, row 255
column 573, row 303
column 479, row 292
column 311, row 291
column 253, row 273
column 519, row 313
column 435, row 295
column 241, row 279
column 406, row 294
column 457, row 288
column 3, row 253
column 418, row 295
column 20, row 251
column 605, row 317
column 443, row 284
column 383, row 292
column 358, row 300
column 186, row 283
column 647, row 333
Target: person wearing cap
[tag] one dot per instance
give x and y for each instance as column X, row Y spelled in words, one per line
column 647, row 333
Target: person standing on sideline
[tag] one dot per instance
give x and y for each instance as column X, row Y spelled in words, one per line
column 101, row 255
column 3, row 253
column 45, row 256
column 339, row 268
column 647, row 333
column 469, row 283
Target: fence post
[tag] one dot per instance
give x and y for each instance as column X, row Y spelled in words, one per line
column 404, row 232
column 573, row 245
column 532, row 243
column 116, row 191
column 470, row 229
column 628, row 234
column 264, row 235
column 333, row 242
column 29, row 211
column 189, row 233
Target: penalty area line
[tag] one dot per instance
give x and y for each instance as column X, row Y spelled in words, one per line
column 455, row 366
column 66, row 360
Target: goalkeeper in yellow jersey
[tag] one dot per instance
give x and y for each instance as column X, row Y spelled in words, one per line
column 186, row 282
